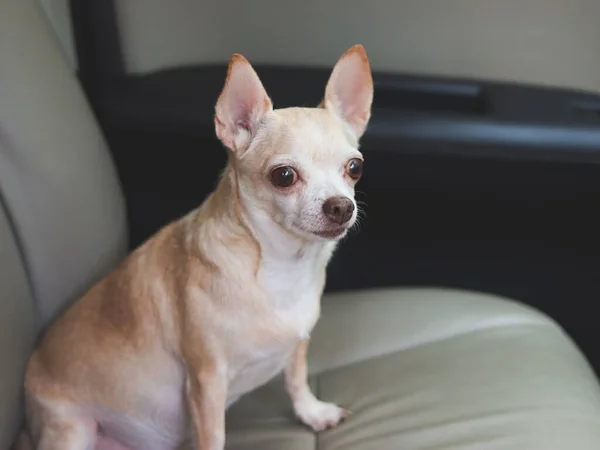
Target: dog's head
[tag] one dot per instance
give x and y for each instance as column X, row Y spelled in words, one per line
column 298, row 165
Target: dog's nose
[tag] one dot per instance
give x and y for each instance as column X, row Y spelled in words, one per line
column 338, row 209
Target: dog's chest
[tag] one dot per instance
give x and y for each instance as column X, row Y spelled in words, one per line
column 293, row 294
column 294, row 289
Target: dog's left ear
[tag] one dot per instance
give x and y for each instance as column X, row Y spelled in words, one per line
column 349, row 91
column 242, row 105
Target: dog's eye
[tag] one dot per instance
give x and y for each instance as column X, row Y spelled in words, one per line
column 284, row 176
column 355, row 168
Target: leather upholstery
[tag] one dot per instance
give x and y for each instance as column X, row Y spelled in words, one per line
column 56, row 175
column 421, row 369
column 17, row 330
column 433, row 369
column 62, row 216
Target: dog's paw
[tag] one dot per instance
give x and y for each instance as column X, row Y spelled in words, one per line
column 319, row 415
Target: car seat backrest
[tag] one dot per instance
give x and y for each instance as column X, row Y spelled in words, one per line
column 62, row 214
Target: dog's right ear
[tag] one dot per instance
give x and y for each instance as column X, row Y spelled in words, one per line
column 349, row 91
column 242, row 105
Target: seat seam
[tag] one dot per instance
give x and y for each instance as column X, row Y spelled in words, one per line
column 445, row 338
column 318, row 393
column 23, row 256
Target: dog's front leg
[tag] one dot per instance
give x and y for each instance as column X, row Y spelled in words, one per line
column 206, row 390
column 316, row 414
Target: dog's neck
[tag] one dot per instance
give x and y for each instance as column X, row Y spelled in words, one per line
column 276, row 244
column 279, row 245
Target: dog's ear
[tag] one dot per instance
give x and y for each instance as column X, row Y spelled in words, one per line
column 242, row 105
column 349, row 91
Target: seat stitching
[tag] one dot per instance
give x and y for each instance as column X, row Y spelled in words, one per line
column 318, row 394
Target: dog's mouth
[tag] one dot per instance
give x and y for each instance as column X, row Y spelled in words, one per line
column 332, row 233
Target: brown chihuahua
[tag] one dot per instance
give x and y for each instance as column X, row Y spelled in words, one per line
column 220, row 301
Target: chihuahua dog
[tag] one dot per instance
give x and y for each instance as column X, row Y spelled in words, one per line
column 222, row 300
